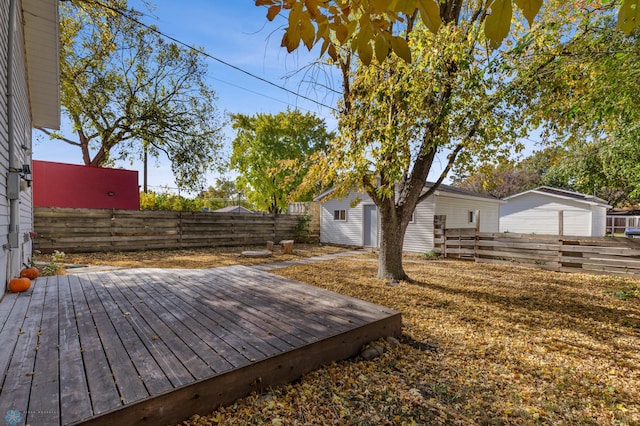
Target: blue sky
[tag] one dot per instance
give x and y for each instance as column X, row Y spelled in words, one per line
column 238, row 33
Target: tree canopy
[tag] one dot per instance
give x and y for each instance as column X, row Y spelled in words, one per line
column 454, row 88
column 586, row 101
column 375, row 27
column 271, row 153
column 125, row 89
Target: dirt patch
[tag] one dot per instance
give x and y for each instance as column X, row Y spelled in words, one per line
column 196, row 258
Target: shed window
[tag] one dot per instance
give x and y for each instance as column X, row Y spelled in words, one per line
column 472, row 216
column 340, row 215
column 413, row 218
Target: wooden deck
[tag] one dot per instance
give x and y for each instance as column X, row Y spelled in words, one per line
column 155, row 346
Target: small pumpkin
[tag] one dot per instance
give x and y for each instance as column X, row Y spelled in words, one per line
column 32, row 273
column 17, row 285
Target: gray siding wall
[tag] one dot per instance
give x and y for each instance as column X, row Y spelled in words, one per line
column 457, row 209
column 598, row 221
column 348, row 232
column 11, row 260
column 419, row 235
column 538, row 214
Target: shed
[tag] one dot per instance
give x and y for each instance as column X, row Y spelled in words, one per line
column 233, row 209
column 353, row 221
column 30, row 93
column 553, row 211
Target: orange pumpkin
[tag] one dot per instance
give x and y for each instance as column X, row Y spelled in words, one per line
column 32, row 273
column 19, row 284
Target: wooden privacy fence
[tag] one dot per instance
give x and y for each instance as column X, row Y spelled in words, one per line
column 618, row 256
column 86, row 230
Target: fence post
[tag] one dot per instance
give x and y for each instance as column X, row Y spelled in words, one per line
column 476, row 236
column 180, row 229
column 560, row 222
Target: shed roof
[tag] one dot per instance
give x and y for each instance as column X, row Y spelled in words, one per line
column 233, row 209
column 563, row 194
column 442, row 188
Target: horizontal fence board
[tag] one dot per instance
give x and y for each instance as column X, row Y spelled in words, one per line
column 618, row 256
column 90, row 230
column 509, row 254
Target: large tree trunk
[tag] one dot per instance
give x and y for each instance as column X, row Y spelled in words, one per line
column 392, row 239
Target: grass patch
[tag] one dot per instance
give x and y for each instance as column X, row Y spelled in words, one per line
column 483, row 344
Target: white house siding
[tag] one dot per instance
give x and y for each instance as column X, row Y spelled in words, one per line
column 4, row 138
column 457, row 208
column 11, row 260
column 348, row 232
column 419, row 235
column 598, row 221
column 538, row 214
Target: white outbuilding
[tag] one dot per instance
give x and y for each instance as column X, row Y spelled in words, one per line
column 552, row 211
column 353, row 221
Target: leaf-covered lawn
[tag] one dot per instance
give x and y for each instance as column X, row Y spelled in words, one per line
column 483, row 344
column 195, row 258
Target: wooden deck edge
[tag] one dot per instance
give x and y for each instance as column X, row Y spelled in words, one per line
column 206, row 395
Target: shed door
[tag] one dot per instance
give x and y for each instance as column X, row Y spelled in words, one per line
column 370, row 226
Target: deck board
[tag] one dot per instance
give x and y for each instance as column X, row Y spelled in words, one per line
column 154, row 346
column 75, row 402
column 46, row 379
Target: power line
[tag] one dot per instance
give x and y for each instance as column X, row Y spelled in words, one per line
column 204, row 53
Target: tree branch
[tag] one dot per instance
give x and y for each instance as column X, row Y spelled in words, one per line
column 58, row 137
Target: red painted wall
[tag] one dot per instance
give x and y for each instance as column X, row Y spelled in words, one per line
column 71, row 185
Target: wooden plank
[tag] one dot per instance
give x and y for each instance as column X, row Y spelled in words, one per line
column 262, row 306
column 552, row 266
column 171, row 314
column 74, row 391
column 44, row 398
column 207, row 313
column 125, row 375
column 338, row 306
column 102, row 389
column 169, row 363
column 17, row 305
column 6, row 306
column 148, row 368
column 621, row 251
column 533, row 256
column 518, row 245
column 228, row 312
column 202, row 326
column 183, row 352
column 204, row 396
column 600, row 264
column 19, row 374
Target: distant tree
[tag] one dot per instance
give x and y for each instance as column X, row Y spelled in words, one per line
column 166, row 201
column 223, row 193
column 125, row 90
column 508, row 178
column 271, row 153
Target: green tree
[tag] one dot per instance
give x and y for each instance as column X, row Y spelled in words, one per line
column 508, row 178
column 368, row 27
column 271, row 153
column 125, row 90
column 587, row 102
column 455, row 97
column 223, row 193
